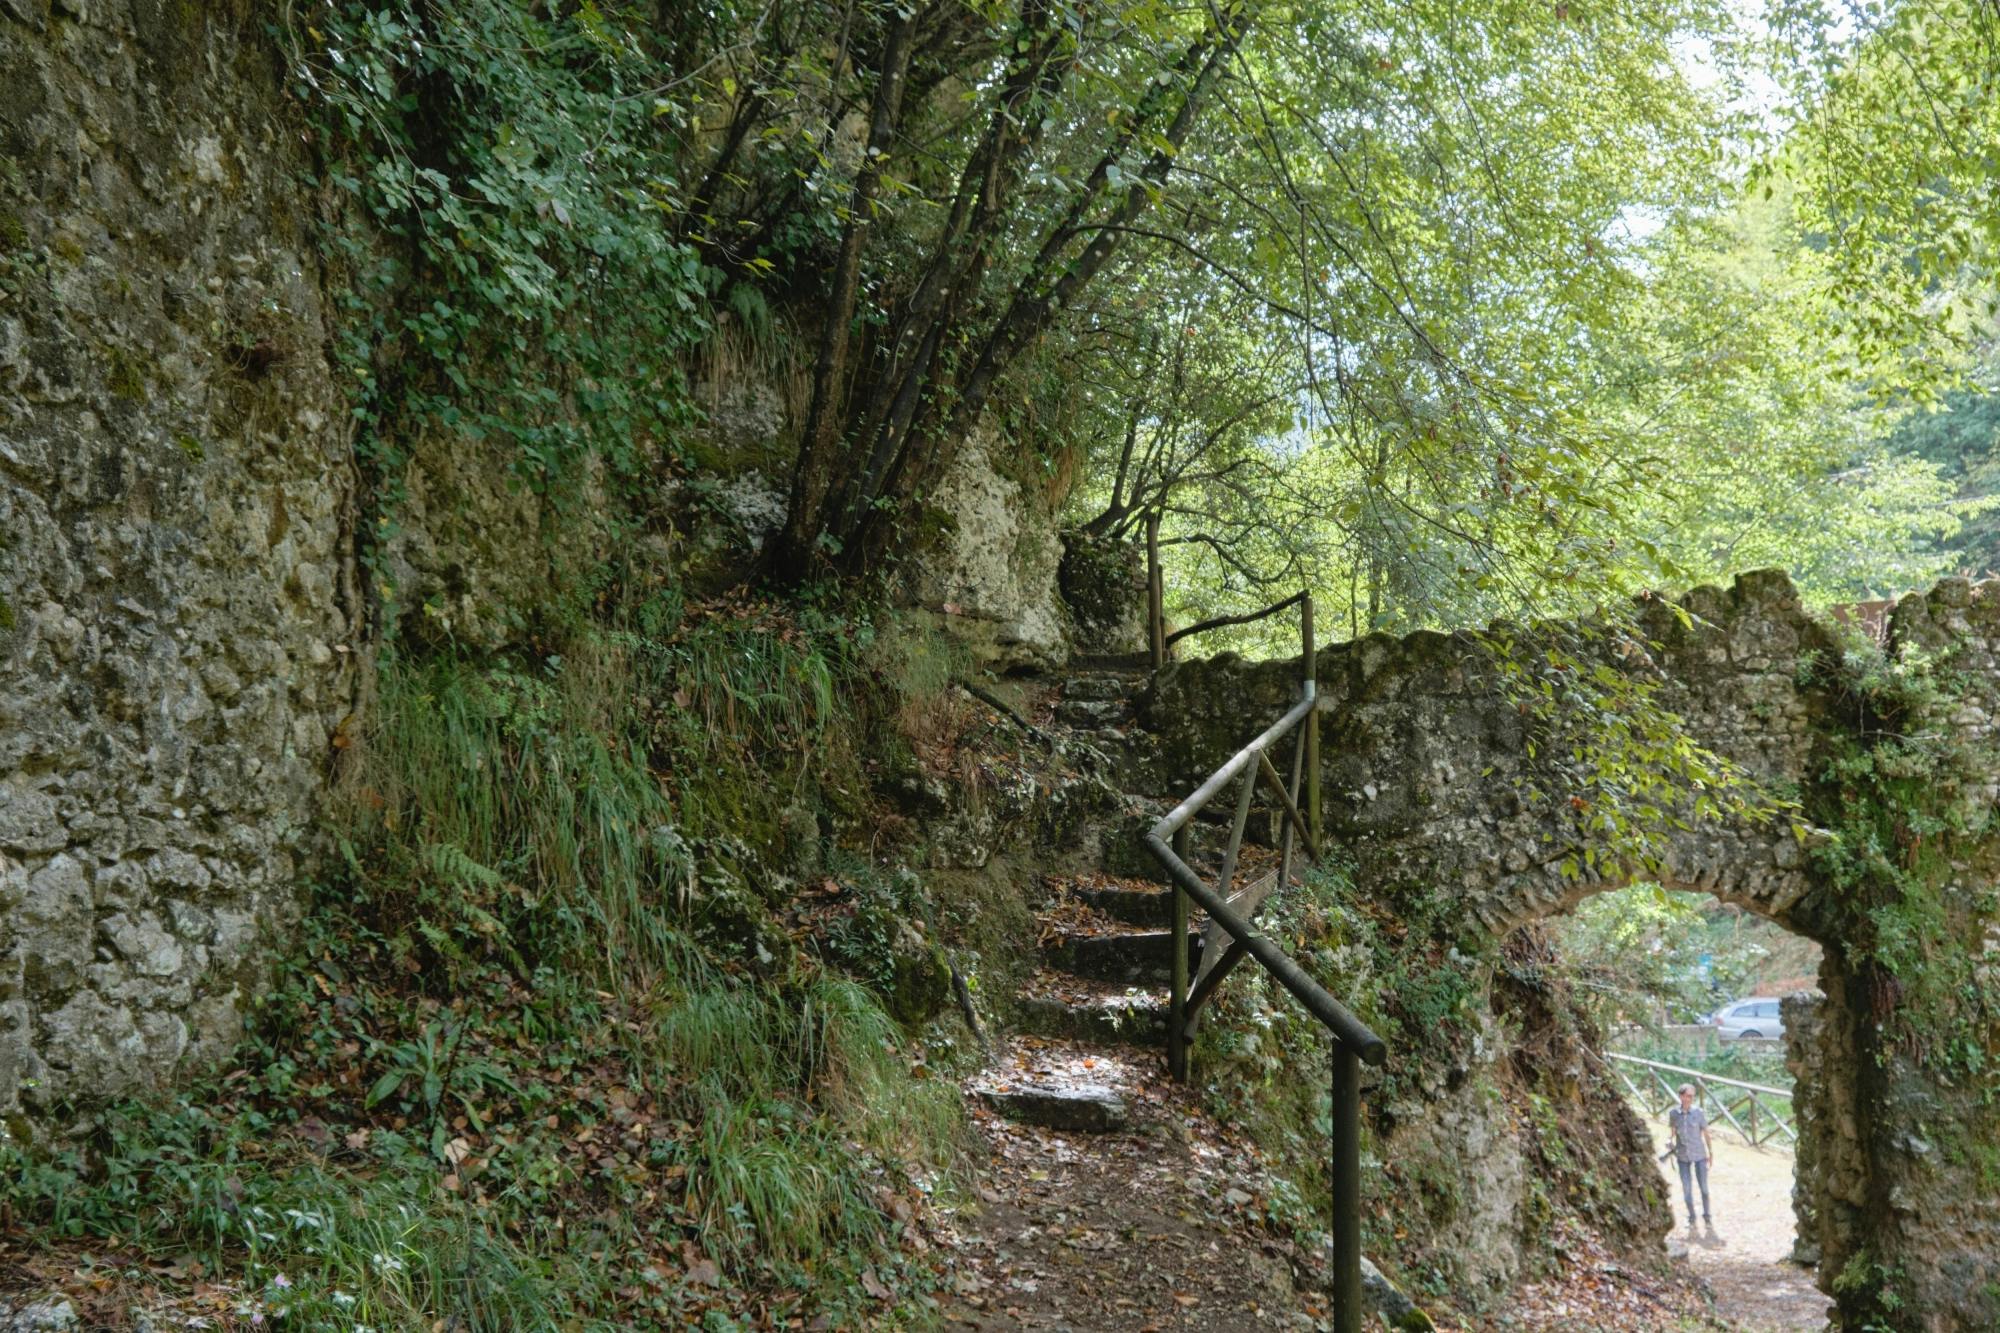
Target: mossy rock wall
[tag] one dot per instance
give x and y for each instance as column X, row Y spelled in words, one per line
column 177, row 658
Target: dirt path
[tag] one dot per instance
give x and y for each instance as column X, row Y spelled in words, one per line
column 1756, row 1290
column 1142, row 1231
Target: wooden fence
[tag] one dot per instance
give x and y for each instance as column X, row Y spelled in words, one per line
column 1751, row 1109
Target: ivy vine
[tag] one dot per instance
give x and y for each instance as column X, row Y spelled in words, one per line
column 502, row 191
column 1903, row 790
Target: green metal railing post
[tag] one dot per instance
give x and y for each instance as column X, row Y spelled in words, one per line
column 1353, row 1043
column 1177, row 1062
column 1346, row 1177
column 1310, row 684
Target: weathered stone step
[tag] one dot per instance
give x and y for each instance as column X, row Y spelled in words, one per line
column 1128, row 956
column 1149, row 906
column 1100, row 688
column 1064, row 1085
column 1137, row 665
column 1093, row 712
column 1085, row 1108
column 1063, row 1006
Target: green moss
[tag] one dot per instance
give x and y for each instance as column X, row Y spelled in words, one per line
column 125, row 375
column 919, row 986
column 1903, row 795
column 6, row 615
column 1097, row 579
column 190, row 447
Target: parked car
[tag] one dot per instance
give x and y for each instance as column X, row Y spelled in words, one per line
column 1748, row 1018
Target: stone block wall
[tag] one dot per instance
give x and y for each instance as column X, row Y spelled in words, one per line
column 1427, row 752
column 184, row 629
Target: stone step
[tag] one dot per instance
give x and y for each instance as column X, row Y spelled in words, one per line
column 1093, row 713
column 1149, row 906
column 1143, row 956
column 1064, row 1085
column 1138, row 666
column 1084, row 1108
column 1055, row 1005
column 1098, row 688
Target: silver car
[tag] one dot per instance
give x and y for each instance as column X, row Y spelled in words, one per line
column 1748, row 1018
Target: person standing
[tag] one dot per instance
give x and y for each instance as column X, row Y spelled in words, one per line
column 1692, row 1150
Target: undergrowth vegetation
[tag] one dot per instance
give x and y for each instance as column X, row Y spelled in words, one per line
column 1265, row 1063
column 1468, row 1032
column 1903, row 786
column 534, row 1066
column 506, row 179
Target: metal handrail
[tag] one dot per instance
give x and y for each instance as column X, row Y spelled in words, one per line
column 1158, row 641
column 1353, row 1043
column 1225, row 622
column 1334, row 1016
column 1703, row 1081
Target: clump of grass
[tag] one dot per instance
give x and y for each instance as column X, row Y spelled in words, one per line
column 928, row 712
column 496, row 806
column 748, row 705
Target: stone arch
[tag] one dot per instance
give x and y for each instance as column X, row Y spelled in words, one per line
column 1761, row 870
column 1425, row 754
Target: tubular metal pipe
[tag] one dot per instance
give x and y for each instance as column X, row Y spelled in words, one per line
column 1696, row 1073
column 1219, row 779
column 1346, row 1178
column 1350, row 1031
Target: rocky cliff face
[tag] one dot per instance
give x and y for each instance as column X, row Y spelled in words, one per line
column 184, row 625
column 990, row 576
column 177, row 604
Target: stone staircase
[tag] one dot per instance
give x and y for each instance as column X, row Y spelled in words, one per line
column 1086, row 1054
column 1090, row 1025
column 1101, row 701
column 1101, row 709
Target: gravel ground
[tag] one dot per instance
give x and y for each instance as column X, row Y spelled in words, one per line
column 1149, row 1230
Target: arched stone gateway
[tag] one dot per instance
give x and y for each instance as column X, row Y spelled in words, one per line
column 1440, row 781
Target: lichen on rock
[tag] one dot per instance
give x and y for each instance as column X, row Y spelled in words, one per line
column 990, row 575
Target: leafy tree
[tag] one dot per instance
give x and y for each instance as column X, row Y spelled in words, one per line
column 1893, row 118
column 505, row 176
column 1449, row 313
column 1002, row 150
column 1961, row 437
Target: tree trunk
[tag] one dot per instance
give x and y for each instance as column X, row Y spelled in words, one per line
column 864, row 456
column 797, row 554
